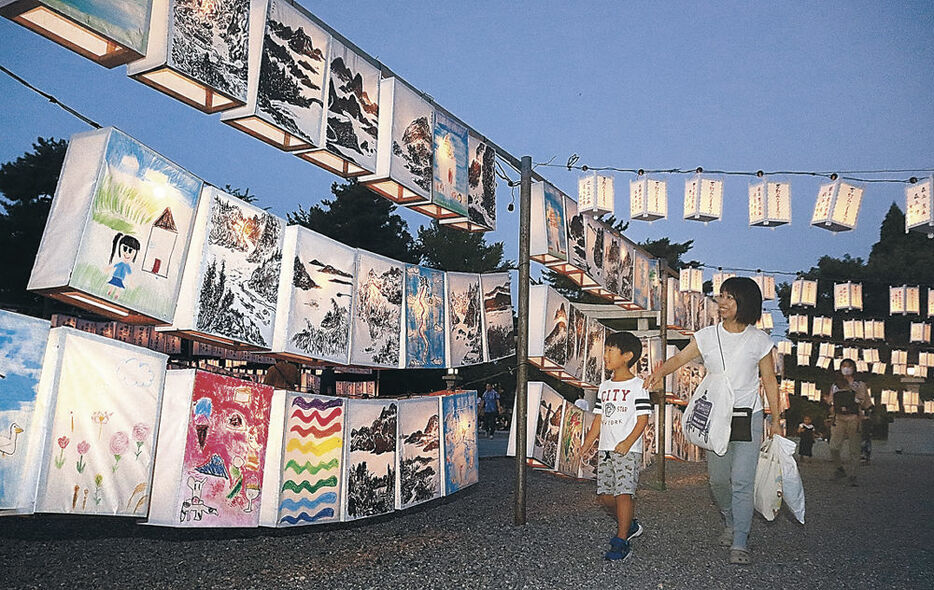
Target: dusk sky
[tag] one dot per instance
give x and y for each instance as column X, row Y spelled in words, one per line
column 726, row 85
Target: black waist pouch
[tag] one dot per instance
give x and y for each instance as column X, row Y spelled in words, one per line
column 741, row 425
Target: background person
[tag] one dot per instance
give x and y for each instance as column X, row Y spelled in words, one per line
column 850, row 400
column 747, row 357
column 491, row 408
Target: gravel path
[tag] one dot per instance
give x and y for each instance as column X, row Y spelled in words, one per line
column 878, row 535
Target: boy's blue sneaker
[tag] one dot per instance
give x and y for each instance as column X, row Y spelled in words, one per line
column 635, row 529
column 619, row 550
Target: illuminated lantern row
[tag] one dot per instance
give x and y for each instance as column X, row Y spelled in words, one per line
column 822, row 326
column 109, row 33
column 648, row 199
column 766, row 285
column 449, row 186
column 837, row 206
column 769, row 204
column 847, row 296
column 919, row 207
column 904, row 300
column 920, row 332
column 703, row 199
column 691, row 280
column 595, row 194
column 563, row 341
column 804, row 293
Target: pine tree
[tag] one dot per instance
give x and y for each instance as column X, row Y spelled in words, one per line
column 452, row 249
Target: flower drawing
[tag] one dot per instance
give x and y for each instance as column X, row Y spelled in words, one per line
column 118, row 445
column 83, row 448
column 62, row 443
column 140, row 432
column 100, row 418
column 98, row 493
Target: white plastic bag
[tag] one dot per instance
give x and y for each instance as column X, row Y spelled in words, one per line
column 768, row 485
column 706, row 420
column 792, row 487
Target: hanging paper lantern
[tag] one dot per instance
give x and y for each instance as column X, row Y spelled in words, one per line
column 548, row 239
column 900, row 370
column 406, row 145
column 804, row 292
column 691, row 280
column 810, row 391
column 648, row 199
column 878, row 368
column 803, row 361
column 929, row 407
column 805, row 348
column 904, row 300
column 930, row 302
column 920, row 332
column 919, row 207
column 784, row 347
column 874, row 329
column 718, row 279
column 595, row 194
column 798, row 324
column 822, row 326
column 824, row 361
column 899, row 357
column 910, row 401
column 99, row 31
column 765, row 322
column 862, row 366
column 769, row 204
column 766, row 285
column 837, row 206
column 926, row 359
column 826, row 349
column 850, row 353
column 847, row 296
column 703, row 199
column 890, row 400
column 853, row 330
column 871, row 355
column 450, row 175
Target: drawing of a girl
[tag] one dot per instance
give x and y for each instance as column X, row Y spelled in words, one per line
column 125, row 247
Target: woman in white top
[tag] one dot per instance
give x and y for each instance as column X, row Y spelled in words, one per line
column 746, row 354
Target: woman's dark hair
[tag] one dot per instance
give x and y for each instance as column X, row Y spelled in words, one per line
column 748, row 298
column 850, row 362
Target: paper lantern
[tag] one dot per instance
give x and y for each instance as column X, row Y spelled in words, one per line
column 919, row 207
column 212, row 451
column 826, row 349
column 464, row 327
column 804, row 292
column 593, row 279
column 315, row 298
column 766, row 285
column 499, row 331
column 406, row 145
column 449, row 186
column 109, row 33
column 787, row 387
column 703, row 199
column 822, row 326
column 595, row 194
column 769, row 204
column 803, row 361
column 765, row 321
column 851, row 353
column 904, row 300
column 930, row 302
column 871, row 355
column 691, row 280
column 837, row 206
column 548, row 328
column 376, row 331
column 548, row 238
column 805, row 348
column 824, row 361
column 926, row 359
column 99, row 400
column 853, row 329
column 481, row 187
column 876, row 328
column 784, row 347
column 929, row 407
column 118, row 230
column 810, row 391
column 836, row 363
column 899, row 357
column 920, row 332
column 798, row 324
column 878, row 368
column 919, row 370
column 648, row 199
column 890, row 400
column 231, row 284
column 847, row 296
column 718, row 278
column 198, row 52
column 862, row 366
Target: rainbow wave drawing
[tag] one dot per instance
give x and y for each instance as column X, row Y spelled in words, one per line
column 312, row 465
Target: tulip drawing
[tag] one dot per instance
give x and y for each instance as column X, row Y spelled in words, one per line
column 140, row 432
column 62, row 443
column 83, row 448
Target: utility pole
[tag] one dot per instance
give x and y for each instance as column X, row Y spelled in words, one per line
column 522, row 346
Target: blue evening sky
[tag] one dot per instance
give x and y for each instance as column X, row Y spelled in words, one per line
column 724, row 85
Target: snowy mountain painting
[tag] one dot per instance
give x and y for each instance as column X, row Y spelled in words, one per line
column 419, row 452
column 464, row 319
column 577, row 340
column 625, row 270
column 593, row 234
column 556, row 328
column 577, row 245
column 240, row 267
column 640, row 283
column 481, row 183
column 593, row 365
column 555, row 223
column 209, row 41
column 412, row 144
column 612, row 261
column 292, row 72
column 371, row 458
column 353, row 107
column 424, row 317
column 497, row 315
column 322, row 298
column 450, row 165
column 377, row 317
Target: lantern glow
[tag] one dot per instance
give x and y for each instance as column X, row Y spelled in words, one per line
column 648, row 199
column 837, row 207
column 703, row 199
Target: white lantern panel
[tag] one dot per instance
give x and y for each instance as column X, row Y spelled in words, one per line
column 913, row 300
column 648, row 199
column 766, row 285
column 425, row 299
column 109, row 33
column 919, row 207
column 377, row 315
column 896, row 300
column 465, row 328
column 368, row 466
column 548, row 239
column 481, row 185
column 757, row 205
column 118, row 229
column 499, row 339
column 778, row 202
column 691, row 280
column 920, row 332
column 449, row 187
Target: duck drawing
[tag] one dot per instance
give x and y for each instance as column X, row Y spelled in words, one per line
column 8, row 443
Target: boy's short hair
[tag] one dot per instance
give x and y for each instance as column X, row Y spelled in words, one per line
column 625, row 342
column 748, row 298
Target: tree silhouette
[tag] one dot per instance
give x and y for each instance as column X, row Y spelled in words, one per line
column 446, row 248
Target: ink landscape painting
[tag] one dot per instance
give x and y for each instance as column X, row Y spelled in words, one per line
column 465, row 319
column 419, row 451
column 371, row 458
column 424, row 317
column 377, row 317
column 353, row 107
column 497, row 316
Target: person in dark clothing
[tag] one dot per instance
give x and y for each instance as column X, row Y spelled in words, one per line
column 806, row 440
column 491, row 409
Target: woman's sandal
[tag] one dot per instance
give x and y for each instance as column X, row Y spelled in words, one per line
column 739, row 557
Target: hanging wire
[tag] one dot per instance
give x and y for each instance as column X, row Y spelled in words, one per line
column 51, row 98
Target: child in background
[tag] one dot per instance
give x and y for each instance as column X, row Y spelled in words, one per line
column 806, row 441
column 622, row 411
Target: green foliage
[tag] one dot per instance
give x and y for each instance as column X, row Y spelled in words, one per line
column 360, row 218
column 242, row 194
column 446, row 248
column 27, row 184
column 663, row 248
